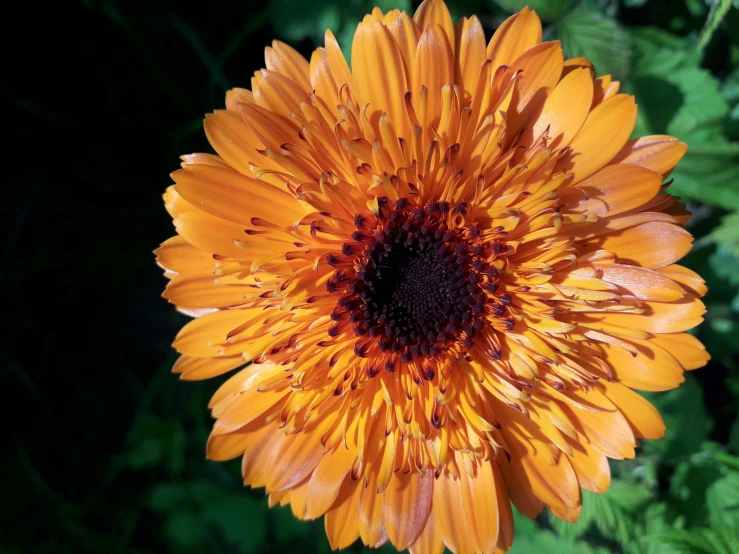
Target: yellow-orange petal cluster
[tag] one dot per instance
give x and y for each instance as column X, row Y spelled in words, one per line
column 440, row 275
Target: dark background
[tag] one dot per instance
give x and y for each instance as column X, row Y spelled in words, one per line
column 102, row 447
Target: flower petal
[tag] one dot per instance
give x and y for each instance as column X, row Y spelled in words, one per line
column 601, row 137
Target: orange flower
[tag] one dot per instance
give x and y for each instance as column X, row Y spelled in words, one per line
column 446, row 268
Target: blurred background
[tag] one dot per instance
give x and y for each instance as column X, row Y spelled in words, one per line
column 103, row 448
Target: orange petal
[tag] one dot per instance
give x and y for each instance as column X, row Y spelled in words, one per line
column 246, row 408
column 643, row 418
column 406, row 507
column 659, row 153
column 434, row 69
column 322, row 80
column 603, row 135
column 210, row 233
column 537, row 71
column 555, row 484
column 591, row 465
column 470, row 499
column 337, row 62
column 276, row 93
column 176, row 254
column 662, row 317
column 518, row 484
column 234, row 197
column 515, row 35
column 606, row 429
column 435, row 12
column 376, row 58
column 430, row 541
column 286, row 61
column 470, row 55
column 629, row 244
column 232, row 139
column 371, row 527
column 406, row 33
column 205, row 336
column 577, row 63
column 237, row 96
column 198, row 292
column 564, row 110
column 342, row 520
column 687, row 278
column 616, row 189
column 643, row 284
column 685, row 348
column 326, row 480
column 652, row 369
column 195, row 369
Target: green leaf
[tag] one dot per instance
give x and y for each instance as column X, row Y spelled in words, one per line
column 686, row 419
column 547, row 10
column 655, row 518
column 582, row 33
column 546, row 542
column 612, row 511
column 719, row 540
column 722, row 500
column 727, row 233
column 725, row 263
column 677, row 97
column 730, row 91
column 708, row 173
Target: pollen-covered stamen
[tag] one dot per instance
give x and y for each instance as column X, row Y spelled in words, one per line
column 421, row 285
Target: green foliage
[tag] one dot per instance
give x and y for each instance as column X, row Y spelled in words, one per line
column 686, row 418
column 547, row 10
column 583, row 33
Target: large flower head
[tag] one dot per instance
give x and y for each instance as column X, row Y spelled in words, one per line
column 440, row 276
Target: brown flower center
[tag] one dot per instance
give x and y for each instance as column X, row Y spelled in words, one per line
column 420, row 281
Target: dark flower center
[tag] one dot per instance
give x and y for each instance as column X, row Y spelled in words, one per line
column 419, row 282
column 418, row 290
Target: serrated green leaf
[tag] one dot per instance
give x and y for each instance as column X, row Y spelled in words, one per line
column 727, row 233
column 708, row 173
column 719, row 540
column 582, row 33
column 612, row 510
column 677, row 97
column 722, row 500
column 546, row 9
